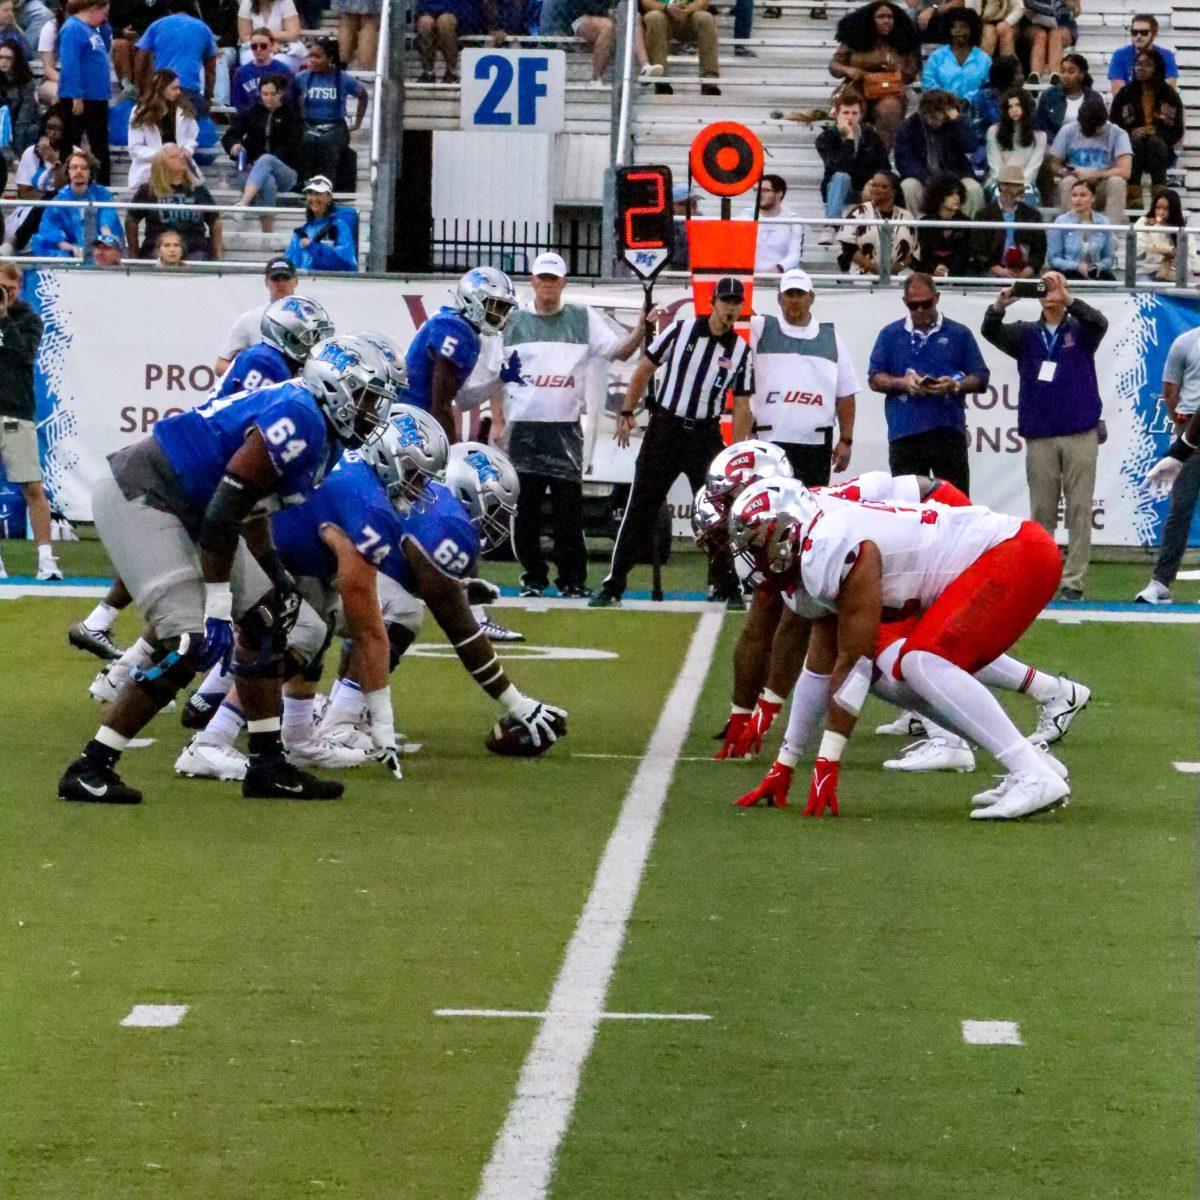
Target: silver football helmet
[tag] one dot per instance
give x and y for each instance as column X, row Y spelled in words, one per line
column 708, row 523
column 485, row 296
column 392, row 355
column 411, row 451
column 742, row 464
column 486, row 483
column 767, row 523
column 295, row 325
column 350, row 380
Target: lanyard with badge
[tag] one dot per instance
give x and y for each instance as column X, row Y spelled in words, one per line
column 1050, row 341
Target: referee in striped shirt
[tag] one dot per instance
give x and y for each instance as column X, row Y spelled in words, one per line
column 704, row 358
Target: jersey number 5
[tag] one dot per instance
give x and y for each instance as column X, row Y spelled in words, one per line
column 448, row 346
column 282, row 433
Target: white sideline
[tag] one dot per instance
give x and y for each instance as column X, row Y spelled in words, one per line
column 991, row 1033
column 1187, row 768
column 523, row 1158
column 524, row 1014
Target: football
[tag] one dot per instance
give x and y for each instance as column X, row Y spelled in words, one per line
column 508, row 737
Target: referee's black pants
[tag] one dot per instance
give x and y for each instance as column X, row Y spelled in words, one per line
column 570, row 549
column 671, row 446
column 936, row 452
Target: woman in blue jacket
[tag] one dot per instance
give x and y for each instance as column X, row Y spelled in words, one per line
column 328, row 239
column 61, row 233
column 1080, row 253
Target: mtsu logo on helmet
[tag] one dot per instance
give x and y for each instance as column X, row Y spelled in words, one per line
column 408, row 432
column 338, row 357
column 483, row 466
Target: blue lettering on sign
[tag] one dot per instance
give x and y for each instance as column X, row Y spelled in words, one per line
column 483, row 466
column 501, row 68
column 530, row 87
column 644, row 258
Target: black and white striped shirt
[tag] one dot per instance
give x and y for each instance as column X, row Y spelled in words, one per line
column 700, row 370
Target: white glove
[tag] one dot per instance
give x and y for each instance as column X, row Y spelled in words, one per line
column 383, row 730
column 481, row 591
column 537, row 717
column 1162, row 475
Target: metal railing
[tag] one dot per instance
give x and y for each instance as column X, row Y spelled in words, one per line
column 457, row 245
column 621, row 135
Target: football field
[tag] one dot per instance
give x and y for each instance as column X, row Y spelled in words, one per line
column 429, row 990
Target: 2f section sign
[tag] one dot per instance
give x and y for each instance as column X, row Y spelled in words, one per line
column 516, row 91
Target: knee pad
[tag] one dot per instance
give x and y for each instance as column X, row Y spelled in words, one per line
column 261, row 644
column 400, row 637
column 171, row 669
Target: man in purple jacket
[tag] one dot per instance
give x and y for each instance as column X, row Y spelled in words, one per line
column 1058, row 412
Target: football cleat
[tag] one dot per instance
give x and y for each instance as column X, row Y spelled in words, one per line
column 1055, row 716
column 321, row 752
column 104, row 689
column 1028, row 792
column 200, row 761
column 982, row 799
column 277, row 779
column 94, row 641
column 937, row 753
column 86, row 783
column 349, row 736
column 199, row 709
column 49, row 570
column 497, row 632
column 1154, row 593
column 907, row 725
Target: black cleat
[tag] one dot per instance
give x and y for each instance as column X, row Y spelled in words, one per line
column 277, row 779
column 95, row 642
column 199, row 709
column 86, row 782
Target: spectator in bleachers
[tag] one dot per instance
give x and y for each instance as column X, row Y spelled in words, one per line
column 323, row 89
column 1005, row 73
column 221, row 17
column 33, row 16
column 959, row 67
column 173, row 182
column 328, row 239
column 936, row 138
column 358, row 31
column 1155, row 249
column 1143, row 29
column 779, row 247
column 170, row 250
column 860, row 243
column 1093, row 149
column 1078, row 253
column 18, row 93
column 851, row 153
column 47, row 52
column 244, row 90
column 502, row 19
column 923, row 13
column 1000, row 20
column 1013, row 142
column 41, row 173
column 686, row 21
column 592, row 23
column 946, row 250
column 61, row 234
column 163, row 116
column 106, row 251
column 129, row 20
column 1060, row 102
column 182, row 43
column 265, row 142
column 282, row 21
column 683, row 204
column 280, row 278
column 11, row 34
column 878, row 54
column 1151, row 112
column 1012, row 253
column 83, row 83
column 439, row 25
column 1048, row 37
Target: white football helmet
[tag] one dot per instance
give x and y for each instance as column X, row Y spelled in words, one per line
column 411, row 451
column 708, row 523
column 295, row 325
column 767, row 523
column 392, row 355
column 741, row 464
column 350, row 381
column 486, row 483
column 485, row 296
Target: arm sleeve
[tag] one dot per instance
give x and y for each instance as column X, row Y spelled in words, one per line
column 23, row 333
column 847, row 377
column 661, row 346
column 1176, row 363
column 1056, row 250
column 338, row 255
column 1094, row 322
column 1033, row 164
column 993, row 152
column 293, row 438
column 70, row 81
column 603, row 340
column 742, row 383
column 930, row 77
column 1005, row 337
column 296, row 254
column 974, row 359
column 880, row 355
column 795, row 248
column 1059, row 146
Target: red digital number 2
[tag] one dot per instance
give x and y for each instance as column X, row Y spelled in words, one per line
column 644, row 210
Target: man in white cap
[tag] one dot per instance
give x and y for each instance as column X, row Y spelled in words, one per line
column 549, row 347
column 803, row 382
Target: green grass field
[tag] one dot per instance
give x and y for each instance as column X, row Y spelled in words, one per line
column 312, row 945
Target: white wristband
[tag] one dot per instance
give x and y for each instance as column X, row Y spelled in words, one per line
column 511, row 698
column 218, row 601
column 771, row 698
column 832, row 745
column 379, row 710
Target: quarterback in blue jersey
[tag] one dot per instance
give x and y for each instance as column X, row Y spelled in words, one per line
column 444, row 352
column 290, row 328
column 171, row 511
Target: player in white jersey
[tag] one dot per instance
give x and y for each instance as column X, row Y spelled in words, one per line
column 973, row 581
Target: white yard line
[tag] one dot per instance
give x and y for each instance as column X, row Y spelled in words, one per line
column 1188, row 768
column 524, row 1014
column 154, row 1016
column 639, row 757
column 992, row 1033
column 523, row 1158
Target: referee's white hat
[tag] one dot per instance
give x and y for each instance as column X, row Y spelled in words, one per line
column 795, row 279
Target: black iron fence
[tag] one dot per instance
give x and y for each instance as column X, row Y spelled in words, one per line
column 458, row 245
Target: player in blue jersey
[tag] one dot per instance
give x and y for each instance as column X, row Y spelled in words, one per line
column 290, row 328
column 171, row 511
column 444, row 352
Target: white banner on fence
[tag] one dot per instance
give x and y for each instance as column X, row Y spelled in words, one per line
column 120, row 353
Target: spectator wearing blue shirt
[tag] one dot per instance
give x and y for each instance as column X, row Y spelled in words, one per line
column 322, row 90
column 248, row 78
column 328, row 239
column 936, row 140
column 925, row 365
column 181, row 43
column 1078, row 253
column 960, row 67
column 1095, row 149
column 61, row 233
column 1143, row 29
column 83, row 45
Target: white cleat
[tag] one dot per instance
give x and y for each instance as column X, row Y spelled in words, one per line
column 104, row 689
column 907, row 725
column 982, row 799
column 49, row 570
column 499, row 633
column 934, row 754
column 321, row 752
column 1055, row 716
column 347, row 735
column 1028, row 792
column 199, row 761
column 1154, row 593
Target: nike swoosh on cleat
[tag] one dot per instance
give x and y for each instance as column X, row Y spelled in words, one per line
column 87, row 787
column 295, row 787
